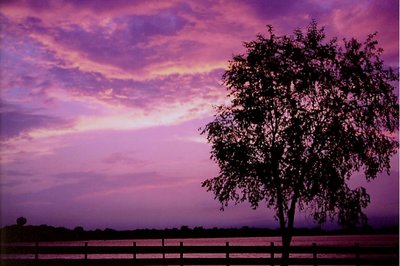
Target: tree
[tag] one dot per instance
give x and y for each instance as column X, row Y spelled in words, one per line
column 79, row 229
column 21, row 221
column 304, row 115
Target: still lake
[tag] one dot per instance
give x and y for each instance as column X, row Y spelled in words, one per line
column 335, row 240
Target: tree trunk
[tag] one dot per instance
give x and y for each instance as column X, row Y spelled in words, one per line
column 286, row 239
column 287, row 231
column 286, row 236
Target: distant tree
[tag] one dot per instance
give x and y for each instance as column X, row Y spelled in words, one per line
column 21, row 221
column 79, row 229
column 109, row 230
column 304, row 115
column 185, row 228
column 199, row 229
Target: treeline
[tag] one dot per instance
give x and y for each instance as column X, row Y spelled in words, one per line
column 30, row 233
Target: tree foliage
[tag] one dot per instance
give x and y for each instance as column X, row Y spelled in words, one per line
column 304, row 115
column 21, row 221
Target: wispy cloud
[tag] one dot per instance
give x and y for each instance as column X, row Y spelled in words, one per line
column 17, row 122
column 123, row 158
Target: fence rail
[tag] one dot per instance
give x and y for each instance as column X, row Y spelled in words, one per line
column 230, row 255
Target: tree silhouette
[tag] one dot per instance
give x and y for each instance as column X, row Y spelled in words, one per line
column 304, row 115
column 21, row 221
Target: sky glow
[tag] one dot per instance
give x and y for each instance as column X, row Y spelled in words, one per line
column 101, row 102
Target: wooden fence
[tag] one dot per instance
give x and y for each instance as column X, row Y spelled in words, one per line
column 197, row 255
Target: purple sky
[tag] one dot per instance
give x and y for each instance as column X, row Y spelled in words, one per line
column 101, row 102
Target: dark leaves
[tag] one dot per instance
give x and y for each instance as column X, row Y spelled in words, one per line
column 304, row 115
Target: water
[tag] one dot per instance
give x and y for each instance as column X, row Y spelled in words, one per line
column 340, row 240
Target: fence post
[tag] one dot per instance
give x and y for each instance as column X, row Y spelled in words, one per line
column 357, row 248
column 314, row 253
column 181, row 252
column 227, row 253
column 86, row 251
column 36, row 250
column 163, row 250
column 272, row 254
column 134, row 250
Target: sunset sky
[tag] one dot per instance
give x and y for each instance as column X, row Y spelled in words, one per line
column 101, row 102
